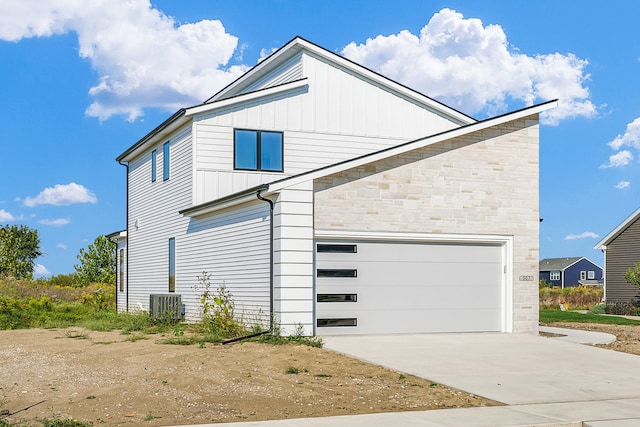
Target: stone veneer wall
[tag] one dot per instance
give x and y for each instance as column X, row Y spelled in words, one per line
column 482, row 183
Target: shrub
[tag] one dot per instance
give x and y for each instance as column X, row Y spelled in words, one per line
column 580, row 297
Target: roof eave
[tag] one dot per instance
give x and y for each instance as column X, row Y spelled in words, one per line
column 276, row 186
column 602, row 244
column 175, row 121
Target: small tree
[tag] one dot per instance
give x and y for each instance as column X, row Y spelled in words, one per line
column 633, row 275
column 97, row 263
column 19, row 247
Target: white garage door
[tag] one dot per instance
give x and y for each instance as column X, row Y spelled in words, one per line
column 381, row 287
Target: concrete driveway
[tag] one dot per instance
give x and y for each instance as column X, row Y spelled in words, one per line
column 514, row 369
column 543, row 381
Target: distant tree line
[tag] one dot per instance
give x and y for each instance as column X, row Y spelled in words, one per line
column 20, row 246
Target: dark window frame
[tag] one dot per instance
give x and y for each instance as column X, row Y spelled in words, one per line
column 166, row 160
column 154, row 164
column 258, row 150
column 172, row 264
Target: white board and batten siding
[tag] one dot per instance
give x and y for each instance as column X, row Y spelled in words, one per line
column 410, row 287
column 153, row 218
column 338, row 116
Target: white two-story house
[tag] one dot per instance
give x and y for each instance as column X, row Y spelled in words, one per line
column 324, row 195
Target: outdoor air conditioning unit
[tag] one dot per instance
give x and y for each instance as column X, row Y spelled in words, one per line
column 165, row 306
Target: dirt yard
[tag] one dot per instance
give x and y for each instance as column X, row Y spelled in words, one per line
column 103, row 378
column 627, row 337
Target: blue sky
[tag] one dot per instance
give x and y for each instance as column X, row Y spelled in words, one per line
column 81, row 81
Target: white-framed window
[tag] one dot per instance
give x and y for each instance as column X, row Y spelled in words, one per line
column 554, row 275
column 583, row 275
column 591, row 275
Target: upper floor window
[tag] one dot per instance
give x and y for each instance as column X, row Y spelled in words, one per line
column 154, row 158
column 165, row 161
column 583, row 275
column 591, row 275
column 258, row 150
column 554, row 275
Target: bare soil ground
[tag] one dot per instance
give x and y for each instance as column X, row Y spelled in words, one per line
column 107, row 379
column 627, row 336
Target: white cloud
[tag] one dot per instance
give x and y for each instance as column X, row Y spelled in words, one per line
column 630, row 138
column 61, row 246
column 143, row 58
column 622, row 185
column 40, row 270
column 621, row 158
column 469, row 66
column 6, row 216
column 55, row 222
column 585, row 235
column 60, row 195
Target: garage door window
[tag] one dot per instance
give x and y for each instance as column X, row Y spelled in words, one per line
column 337, row 272
column 351, row 321
column 337, row 248
column 337, row 298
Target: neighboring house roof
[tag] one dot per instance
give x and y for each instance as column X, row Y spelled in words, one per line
column 280, row 184
column 549, row 264
column 241, row 90
column 602, row 244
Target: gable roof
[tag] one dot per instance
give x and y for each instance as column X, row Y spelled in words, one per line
column 237, row 92
column 602, row 244
column 280, row 184
column 549, row 264
column 298, row 44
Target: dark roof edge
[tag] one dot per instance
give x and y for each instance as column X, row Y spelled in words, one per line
column 178, row 114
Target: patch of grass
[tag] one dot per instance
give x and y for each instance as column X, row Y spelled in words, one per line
column 551, row 316
column 292, row 370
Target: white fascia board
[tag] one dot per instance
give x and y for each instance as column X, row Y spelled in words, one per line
column 409, row 146
column 248, row 97
column 224, row 202
column 602, row 244
column 384, row 81
column 421, row 237
column 298, row 44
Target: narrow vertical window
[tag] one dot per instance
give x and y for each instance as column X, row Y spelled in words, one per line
column 172, row 264
column 121, row 270
column 165, row 161
column 154, row 159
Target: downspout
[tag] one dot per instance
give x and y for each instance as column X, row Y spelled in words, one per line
column 270, row 330
column 126, row 249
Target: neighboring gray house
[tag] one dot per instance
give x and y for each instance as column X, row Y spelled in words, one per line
column 570, row 272
column 621, row 249
column 328, row 196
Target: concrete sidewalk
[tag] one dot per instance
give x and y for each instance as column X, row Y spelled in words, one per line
column 543, row 381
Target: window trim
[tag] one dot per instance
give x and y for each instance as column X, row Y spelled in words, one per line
column 258, row 150
column 554, row 275
column 166, row 160
column 583, row 275
column 591, row 275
